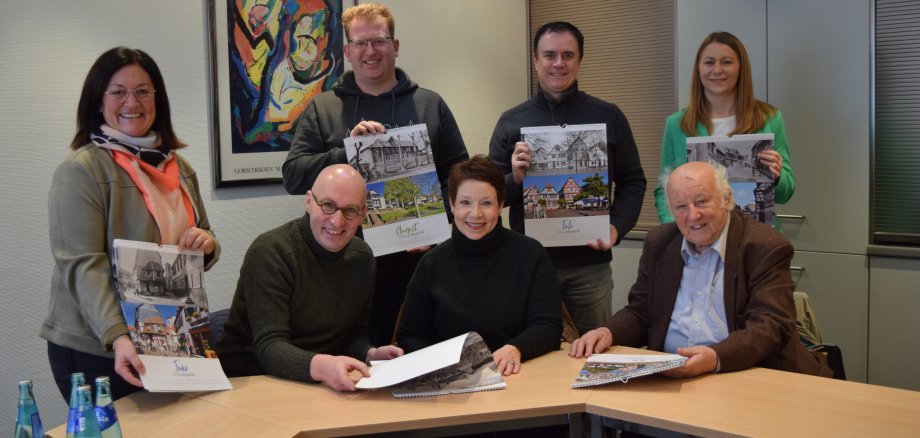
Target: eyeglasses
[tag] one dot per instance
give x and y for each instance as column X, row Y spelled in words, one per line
column 377, row 42
column 329, row 207
column 140, row 93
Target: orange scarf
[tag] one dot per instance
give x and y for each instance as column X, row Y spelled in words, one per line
column 165, row 193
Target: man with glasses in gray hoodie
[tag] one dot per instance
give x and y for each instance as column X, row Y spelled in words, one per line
column 373, row 96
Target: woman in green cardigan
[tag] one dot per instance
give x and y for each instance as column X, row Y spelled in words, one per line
column 722, row 103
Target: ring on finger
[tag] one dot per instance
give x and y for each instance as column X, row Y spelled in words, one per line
column 512, row 362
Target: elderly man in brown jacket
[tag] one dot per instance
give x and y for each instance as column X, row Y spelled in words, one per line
column 713, row 286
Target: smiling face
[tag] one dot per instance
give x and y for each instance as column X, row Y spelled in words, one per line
column 131, row 116
column 342, row 186
column 719, row 68
column 374, row 67
column 557, row 62
column 476, row 209
column 699, row 207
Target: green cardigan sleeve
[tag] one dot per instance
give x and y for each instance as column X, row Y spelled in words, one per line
column 786, row 185
column 673, row 154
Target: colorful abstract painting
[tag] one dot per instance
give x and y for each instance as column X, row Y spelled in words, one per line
column 268, row 60
column 282, row 53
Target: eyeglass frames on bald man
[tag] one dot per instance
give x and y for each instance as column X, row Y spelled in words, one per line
column 140, row 93
column 329, row 207
column 377, row 42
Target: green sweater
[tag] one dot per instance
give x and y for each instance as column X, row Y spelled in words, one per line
column 674, row 153
column 294, row 299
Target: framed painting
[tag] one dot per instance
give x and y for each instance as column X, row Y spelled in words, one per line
column 268, row 59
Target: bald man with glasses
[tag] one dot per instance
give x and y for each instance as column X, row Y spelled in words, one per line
column 301, row 305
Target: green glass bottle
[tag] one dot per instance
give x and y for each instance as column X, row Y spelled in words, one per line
column 105, row 409
column 28, row 423
column 76, row 379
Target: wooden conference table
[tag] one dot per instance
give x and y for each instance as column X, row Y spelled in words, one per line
column 756, row 402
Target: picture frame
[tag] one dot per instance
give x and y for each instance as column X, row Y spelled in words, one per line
column 267, row 61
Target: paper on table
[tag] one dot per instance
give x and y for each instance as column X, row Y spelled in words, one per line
column 398, row 370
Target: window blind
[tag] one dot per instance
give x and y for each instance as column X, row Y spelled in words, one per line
column 896, row 166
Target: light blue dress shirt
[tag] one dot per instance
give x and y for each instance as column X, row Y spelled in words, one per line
column 699, row 311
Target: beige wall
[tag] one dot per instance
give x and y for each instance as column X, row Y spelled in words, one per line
column 473, row 53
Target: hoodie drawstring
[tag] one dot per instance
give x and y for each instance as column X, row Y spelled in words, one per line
column 357, row 104
column 392, row 109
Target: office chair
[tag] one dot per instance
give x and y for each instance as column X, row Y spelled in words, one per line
column 806, row 324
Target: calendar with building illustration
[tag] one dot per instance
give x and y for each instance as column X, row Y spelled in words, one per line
column 458, row 365
column 600, row 369
column 751, row 181
column 566, row 191
column 405, row 202
column 162, row 295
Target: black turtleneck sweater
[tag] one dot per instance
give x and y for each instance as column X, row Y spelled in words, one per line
column 502, row 286
column 295, row 299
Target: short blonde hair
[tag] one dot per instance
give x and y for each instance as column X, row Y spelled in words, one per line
column 368, row 12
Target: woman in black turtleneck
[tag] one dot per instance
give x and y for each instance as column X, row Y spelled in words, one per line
column 485, row 278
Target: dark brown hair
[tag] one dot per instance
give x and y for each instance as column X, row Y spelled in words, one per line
column 89, row 115
column 559, row 26
column 478, row 168
column 750, row 113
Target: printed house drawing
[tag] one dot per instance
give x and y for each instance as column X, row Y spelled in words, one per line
column 739, row 155
column 581, row 156
column 567, row 197
column 152, row 333
column 577, row 157
column 374, row 200
column 550, row 196
column 152, row 277
column 762, row 207
column 148, row 274
column 570, row 190
column 396, row 155
column 185, row 334
column 192, row 327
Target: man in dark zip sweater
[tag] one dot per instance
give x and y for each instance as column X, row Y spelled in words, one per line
column 584, row 272
column 373, row 96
